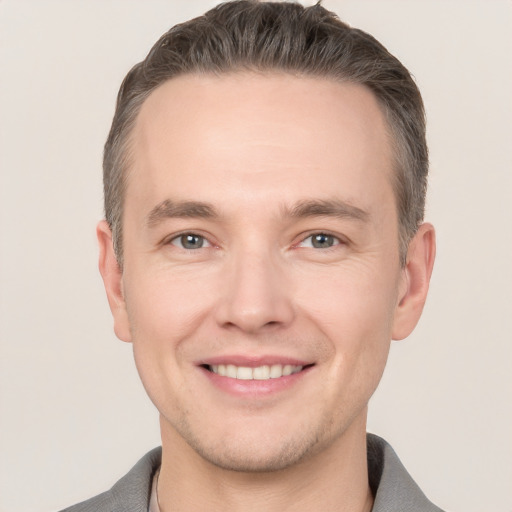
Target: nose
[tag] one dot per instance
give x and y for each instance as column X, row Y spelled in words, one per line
column 256, row 294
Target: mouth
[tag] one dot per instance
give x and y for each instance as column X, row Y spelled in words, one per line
column 264, row 372
column 254, row 377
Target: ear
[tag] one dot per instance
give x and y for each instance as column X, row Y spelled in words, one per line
column 415, row 281
column 113, row 281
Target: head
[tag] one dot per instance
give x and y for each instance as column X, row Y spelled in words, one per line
column 267, row 167
column 285, row 37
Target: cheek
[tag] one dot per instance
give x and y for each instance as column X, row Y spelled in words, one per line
column 163, row 311
column 350, row 297
column 354, row 309
column 164, row 306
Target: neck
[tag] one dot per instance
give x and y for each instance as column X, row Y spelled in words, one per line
column 333, row 479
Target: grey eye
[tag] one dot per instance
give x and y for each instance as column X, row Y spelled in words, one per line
column 190, row 241
column 322, row 241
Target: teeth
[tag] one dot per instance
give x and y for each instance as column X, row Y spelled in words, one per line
column 276, row 371
column 244, row 373
column 259, row 373
column 287, row 369
column 231, row 371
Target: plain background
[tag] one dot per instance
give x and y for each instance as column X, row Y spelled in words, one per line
column 73, row 414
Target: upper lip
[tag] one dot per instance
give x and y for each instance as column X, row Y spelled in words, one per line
column 249, row 361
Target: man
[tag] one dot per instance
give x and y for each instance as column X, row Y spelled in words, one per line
column 265, row 179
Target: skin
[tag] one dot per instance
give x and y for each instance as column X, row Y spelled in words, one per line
column 259, row 150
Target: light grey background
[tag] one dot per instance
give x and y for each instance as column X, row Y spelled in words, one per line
column 73, row 415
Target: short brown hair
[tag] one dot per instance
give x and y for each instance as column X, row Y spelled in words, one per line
column 280, row 36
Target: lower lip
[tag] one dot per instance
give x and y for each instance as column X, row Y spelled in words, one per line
column 254, row 388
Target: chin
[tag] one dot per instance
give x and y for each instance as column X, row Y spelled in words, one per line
column 254, row 459
column 250, row 451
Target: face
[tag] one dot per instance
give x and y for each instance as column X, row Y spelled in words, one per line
column 261, row 283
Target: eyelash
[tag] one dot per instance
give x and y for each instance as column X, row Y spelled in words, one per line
column 183, row 236
column 178, row 240
column 336, row 241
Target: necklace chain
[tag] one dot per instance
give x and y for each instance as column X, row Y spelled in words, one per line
column 156, row 491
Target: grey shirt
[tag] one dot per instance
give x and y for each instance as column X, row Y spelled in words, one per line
column 391, row 484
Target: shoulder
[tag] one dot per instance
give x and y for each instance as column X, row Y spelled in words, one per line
column 393, row 487
column 132, row 492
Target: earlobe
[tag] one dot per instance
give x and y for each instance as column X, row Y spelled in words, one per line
column 112, row 279
column 416, row 279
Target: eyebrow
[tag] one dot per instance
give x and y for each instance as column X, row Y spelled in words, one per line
column 327, row 208
column 183, row 209
column 168, row 209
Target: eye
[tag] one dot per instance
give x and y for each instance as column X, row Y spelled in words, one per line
column 320, row 241
column 190, row 241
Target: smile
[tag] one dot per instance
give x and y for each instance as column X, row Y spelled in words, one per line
column 264, row 372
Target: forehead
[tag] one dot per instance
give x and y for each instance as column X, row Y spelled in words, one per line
column 195, row 130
